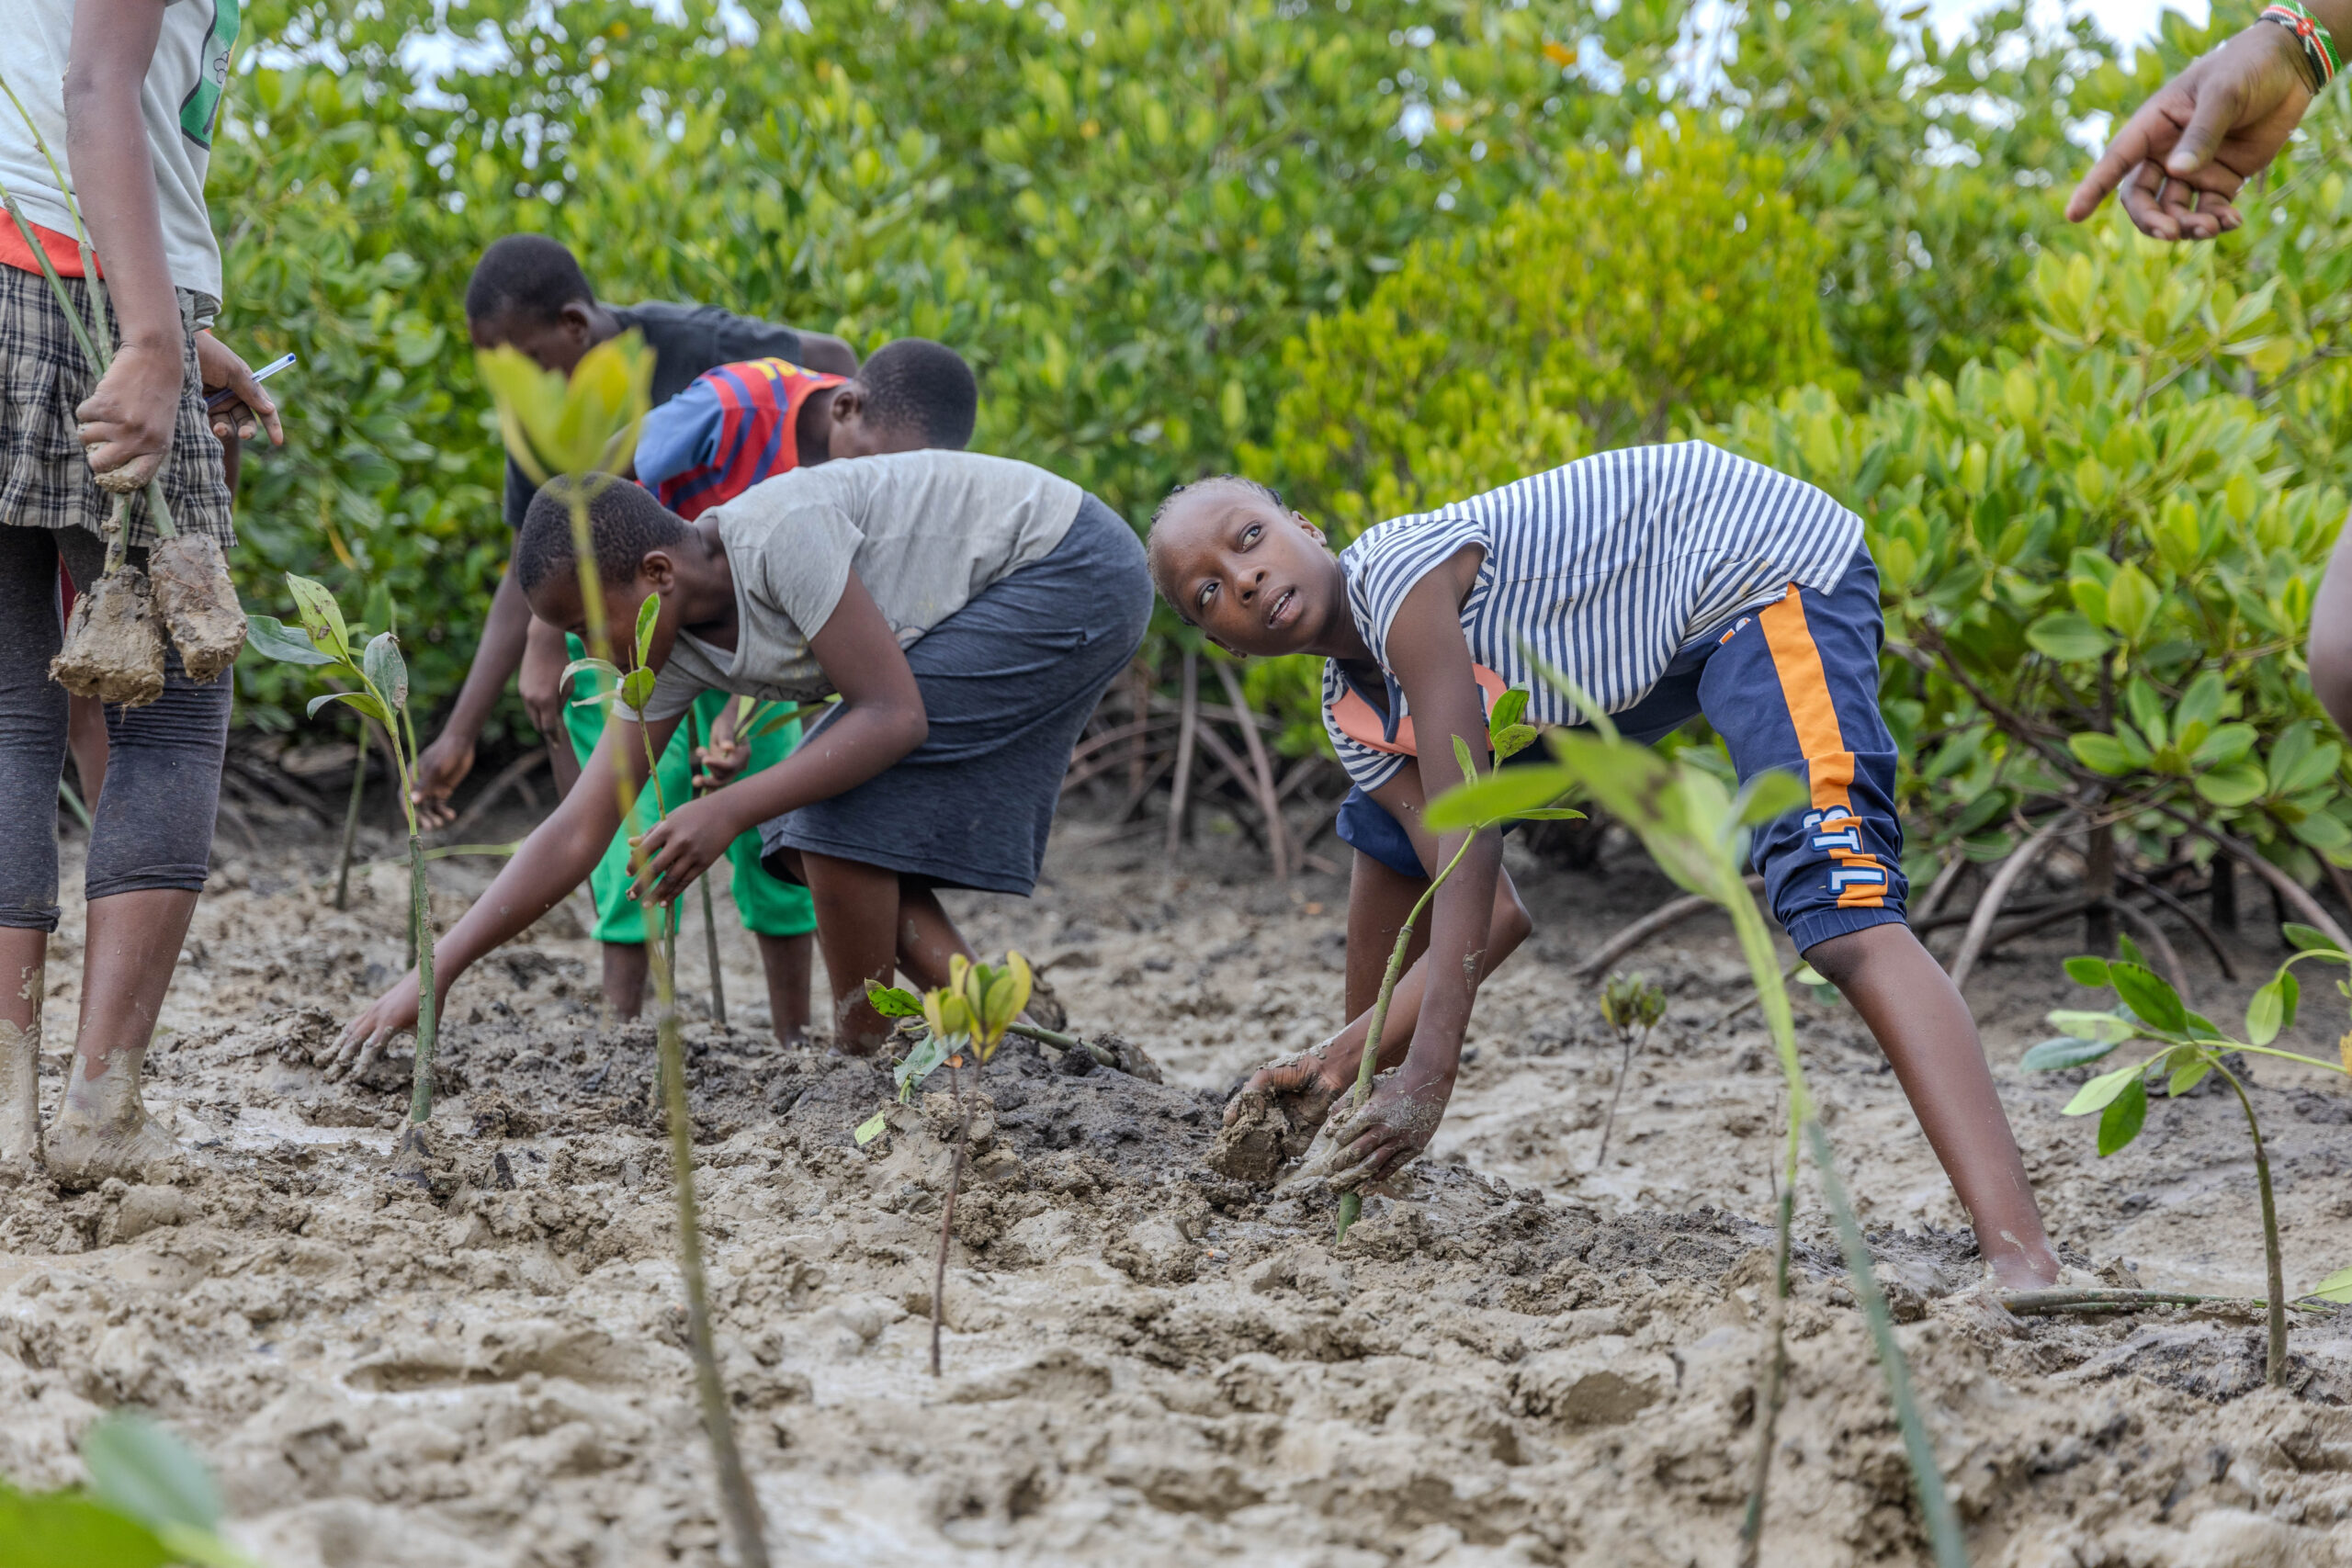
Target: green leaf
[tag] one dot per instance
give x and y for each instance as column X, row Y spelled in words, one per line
column 2068, row 637
column 1769, row 794
column 636, row 689
column 272, row 638
column 2147, row 994
column 2336, row 1287
column 872, row 1127
column 1462, row 760
column 2239, row 784
column 2086, row 971
column 604, row 667
column 2188, row 1074
column 1498, row 797
column 2107, row 1026
column 2130, row 950
column 2228, row 743
column 69, row 1530
column 2124, row 1116
column 892, row 1002
column 150, row 1473
column 647, row 614
column 1512, row 740
column 2307, row 939
column 359, row 700
column 1549, row 813
column 2065, row 1051
column 1506, row 713
column 920, row 1064
column 321, row 616
column 2267, row 1013
column 2101, row 1091
column 2101, row 753
column 386, row 670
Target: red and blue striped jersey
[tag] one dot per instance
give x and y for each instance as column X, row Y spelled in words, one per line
column 733, row 427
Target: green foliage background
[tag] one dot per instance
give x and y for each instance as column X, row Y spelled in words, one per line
column 1383, row 253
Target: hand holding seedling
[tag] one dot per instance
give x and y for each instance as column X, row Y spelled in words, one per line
column 1395, row 1125
column 723, row 756
column 686, row 843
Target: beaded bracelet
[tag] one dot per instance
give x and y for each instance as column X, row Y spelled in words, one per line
column 2318, row 47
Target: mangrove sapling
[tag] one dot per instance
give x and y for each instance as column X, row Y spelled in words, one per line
column 710, row 912
column 1631, row 1006
column 1510, row 800
column 2194, row 1048
column 381, row 675
column 1698, row 832
column 585, row 428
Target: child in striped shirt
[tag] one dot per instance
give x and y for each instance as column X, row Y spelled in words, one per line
column 1668, row 583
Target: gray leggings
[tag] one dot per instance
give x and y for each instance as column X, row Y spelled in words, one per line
column 155, row 818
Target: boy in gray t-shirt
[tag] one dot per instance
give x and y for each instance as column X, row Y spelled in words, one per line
column 968, row 611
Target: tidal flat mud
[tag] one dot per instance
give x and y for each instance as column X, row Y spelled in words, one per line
column 1148, row 1359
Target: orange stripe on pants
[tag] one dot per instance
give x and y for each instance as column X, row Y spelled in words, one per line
column 1829, row 765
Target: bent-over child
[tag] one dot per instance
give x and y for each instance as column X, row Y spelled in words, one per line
column 1668, row 583
column 731, row 428
column 969, row 612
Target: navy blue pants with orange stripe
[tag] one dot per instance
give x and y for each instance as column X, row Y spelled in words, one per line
column 1794, row 686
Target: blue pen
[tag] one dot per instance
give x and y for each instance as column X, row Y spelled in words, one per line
column 224, row 398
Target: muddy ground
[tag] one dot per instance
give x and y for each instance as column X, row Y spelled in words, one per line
column 1528, row 1360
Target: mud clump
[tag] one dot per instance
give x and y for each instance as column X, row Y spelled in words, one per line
column 113, row 651
column 1258, row 1141
column 199, row 603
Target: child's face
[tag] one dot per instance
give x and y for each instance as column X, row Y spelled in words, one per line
column 550, row 344
column 557, row 602
column 1255, row 578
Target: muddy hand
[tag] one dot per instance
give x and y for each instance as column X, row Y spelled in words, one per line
column 1395, row 1125
column 125, row 424
column 1300, row 1085
column 362, row 1043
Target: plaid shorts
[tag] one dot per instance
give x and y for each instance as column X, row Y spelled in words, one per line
column 45, row 480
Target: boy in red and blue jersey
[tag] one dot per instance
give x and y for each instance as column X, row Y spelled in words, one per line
column 732, row 427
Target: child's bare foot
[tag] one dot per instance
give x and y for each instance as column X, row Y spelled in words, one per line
column 102, row 1128
column 20, row 1092
column 2016, row 1268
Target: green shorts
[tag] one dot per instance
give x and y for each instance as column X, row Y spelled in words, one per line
column 769, row 907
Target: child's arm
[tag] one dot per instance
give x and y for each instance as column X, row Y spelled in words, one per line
column 880, row 720
column 554, row 860
column 1431, row 661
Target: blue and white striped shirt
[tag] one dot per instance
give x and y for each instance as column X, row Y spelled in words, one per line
column 1603, row 567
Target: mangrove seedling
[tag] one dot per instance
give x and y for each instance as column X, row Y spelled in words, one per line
column 113, row 650
column 585, row 427
column 1631, row 1006
column 1698, row 832
column 1501, row 797
column 327, row 642
column 2149, row 1010
column 151, row 1500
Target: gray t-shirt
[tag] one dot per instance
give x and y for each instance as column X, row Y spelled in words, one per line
column 926, row 532
column 179, row 102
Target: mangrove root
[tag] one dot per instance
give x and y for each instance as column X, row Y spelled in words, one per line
column 197, row 603
column 114, row 649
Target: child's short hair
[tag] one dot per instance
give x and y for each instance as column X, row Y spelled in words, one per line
column 914, row 383
column 624, row 521
column 1265, row 492
column 529, row 274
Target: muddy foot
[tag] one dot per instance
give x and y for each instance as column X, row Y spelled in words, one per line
column 85, row 1153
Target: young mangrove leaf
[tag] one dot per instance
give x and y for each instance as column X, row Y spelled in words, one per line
column 2109, row 1028
column 2102, row 1090
column 360, row 700
column 71, row 1526
column 149, row 1473
column 1501, row 795
column 871, row 1128
column 2336, row 1287
column 2066, row 1051
column 2086, row 971
column 273, row 638
column 1512, row 740
column 321, row 616
column 637, row 688
column 2149, row 996
column 1768, row 796
column 892, row 1002
column 648, row 614
column 386, row 670
column 2124, row 1116
column 2265, row 1015
column 1509, row 709
column 919, row 1065
column 2306, row 938
column 529, row 402
column 2188, row 1074
column 2130, row 950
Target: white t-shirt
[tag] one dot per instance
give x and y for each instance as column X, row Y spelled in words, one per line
column 926, row 532
column 180, row 103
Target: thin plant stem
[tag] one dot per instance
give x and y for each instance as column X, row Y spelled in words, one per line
column 737, row 1501
column 709, row 911
column 351, row 823
column 1944, row 1538
column 1624, row 1066
column 1351, row 1202
column 947, row 1212
column 1774, row 1394
column 428, row 1002
column 73, row 804
column 2037, row 1304
column 2274, row 1370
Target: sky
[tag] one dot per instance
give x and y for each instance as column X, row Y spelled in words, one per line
column 2126, row 21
